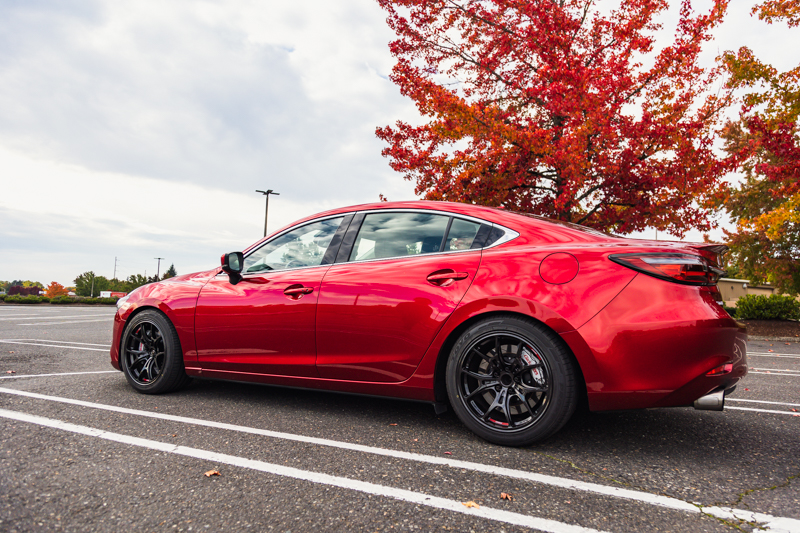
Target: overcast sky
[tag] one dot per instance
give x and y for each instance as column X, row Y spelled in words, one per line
column 141, row 129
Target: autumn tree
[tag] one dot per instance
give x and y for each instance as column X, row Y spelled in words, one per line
column 766, row 141
column 55, row 289
column 558, row 109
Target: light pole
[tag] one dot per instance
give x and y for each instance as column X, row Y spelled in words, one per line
column 266, row 211
column 158, row 268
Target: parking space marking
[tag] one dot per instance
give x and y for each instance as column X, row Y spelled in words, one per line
column 543, row 479
column 68, row 322
column 60, row 374
column 56, row 316
column 56, row 346
column 789, row 355
column 775, row 374
column 773, row 370
column 64, row 342
column 761, row 401
column 418, row 498
column 763, row 411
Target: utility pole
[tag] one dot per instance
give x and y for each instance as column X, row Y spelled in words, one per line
column 266, row 211
column 115, row 267
column 91, row 295
column 158, row 269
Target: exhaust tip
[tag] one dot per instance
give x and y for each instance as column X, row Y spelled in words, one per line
column 714, row 401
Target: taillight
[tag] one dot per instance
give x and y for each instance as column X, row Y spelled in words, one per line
column 727, row 368
column 679, row 268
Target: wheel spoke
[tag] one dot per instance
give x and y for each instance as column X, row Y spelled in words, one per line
column 479, row 377
column 479, row 390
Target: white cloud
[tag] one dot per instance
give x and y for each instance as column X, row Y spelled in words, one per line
column 142, row 129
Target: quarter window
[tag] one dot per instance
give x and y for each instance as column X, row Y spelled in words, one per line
column 398, row 234
column 461, row 235
column 302, row 247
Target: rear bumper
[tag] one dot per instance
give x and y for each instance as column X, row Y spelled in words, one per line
column 654, row 345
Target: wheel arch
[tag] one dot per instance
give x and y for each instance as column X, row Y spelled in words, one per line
column 439, row 382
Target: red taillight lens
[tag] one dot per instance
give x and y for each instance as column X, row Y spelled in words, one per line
column 727, row 368
column 679, row 268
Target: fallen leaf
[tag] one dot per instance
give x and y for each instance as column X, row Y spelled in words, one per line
column 471, row 504
column 770, row 350
column 506, row 496
column 448, row 453
column 212, row 473
column 392, row 424
column 770, row 345
column 787, row 343
column 11, row 371
column 416, row 440
column 746, row 389
column 793, row 409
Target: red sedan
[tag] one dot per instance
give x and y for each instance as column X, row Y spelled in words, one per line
column 512, row 319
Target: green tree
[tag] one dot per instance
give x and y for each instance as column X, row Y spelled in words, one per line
column 89, row 284
column 170, row 273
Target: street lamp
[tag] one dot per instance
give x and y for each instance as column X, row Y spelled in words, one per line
column 266, row 211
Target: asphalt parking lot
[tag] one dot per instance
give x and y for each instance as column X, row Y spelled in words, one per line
column 82, row 451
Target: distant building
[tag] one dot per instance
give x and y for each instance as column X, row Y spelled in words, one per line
column 112, row 294
column 733, row 289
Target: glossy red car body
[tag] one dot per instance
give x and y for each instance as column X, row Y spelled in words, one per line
column 381, row 328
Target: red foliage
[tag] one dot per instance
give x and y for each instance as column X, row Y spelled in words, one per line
column 547, row 107
column 55, row 289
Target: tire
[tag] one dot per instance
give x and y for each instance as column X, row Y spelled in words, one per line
column 525, row 395
column 150, row 354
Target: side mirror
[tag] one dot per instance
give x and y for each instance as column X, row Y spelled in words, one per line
column 232, row 264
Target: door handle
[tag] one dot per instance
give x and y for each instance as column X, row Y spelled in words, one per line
column 446, row 277
column 296, row 292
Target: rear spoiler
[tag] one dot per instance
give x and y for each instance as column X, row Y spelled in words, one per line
column 711, row 251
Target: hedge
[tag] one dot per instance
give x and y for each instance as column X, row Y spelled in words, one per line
column 773, row 307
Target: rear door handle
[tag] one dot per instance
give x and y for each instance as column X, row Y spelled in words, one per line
column 296, row 292
column 443, row 278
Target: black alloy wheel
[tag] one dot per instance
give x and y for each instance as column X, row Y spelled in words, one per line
column 150, row 357
column 511, row 381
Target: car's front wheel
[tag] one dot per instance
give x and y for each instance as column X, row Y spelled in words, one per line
column 150, row 354
column 512, row 381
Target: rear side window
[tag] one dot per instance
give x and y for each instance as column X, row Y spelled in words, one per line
column 399, row 234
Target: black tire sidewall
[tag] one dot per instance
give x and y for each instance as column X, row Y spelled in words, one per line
column 563, row 399
column 172, row 373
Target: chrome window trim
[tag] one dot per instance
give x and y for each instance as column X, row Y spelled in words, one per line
column 508, row 235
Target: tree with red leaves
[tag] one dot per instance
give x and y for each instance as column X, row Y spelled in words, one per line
column 554, row 108
column 55, row 289
column 766, row 142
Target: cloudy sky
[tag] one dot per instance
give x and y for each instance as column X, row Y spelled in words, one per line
column 135, row 130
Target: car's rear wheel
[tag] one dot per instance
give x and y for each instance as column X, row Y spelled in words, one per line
column 511, row 381
column 151, row 356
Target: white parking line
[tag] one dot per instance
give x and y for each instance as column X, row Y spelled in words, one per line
column 728, row 399
column 59, row 374
column 56, row 316
column 775, row 374
column 56, row 346
column 64, row 342
column 789, row 355
column 764, row 411
column 604, row 490
column 68, row 322
column 418, row 498
column 774, row 370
